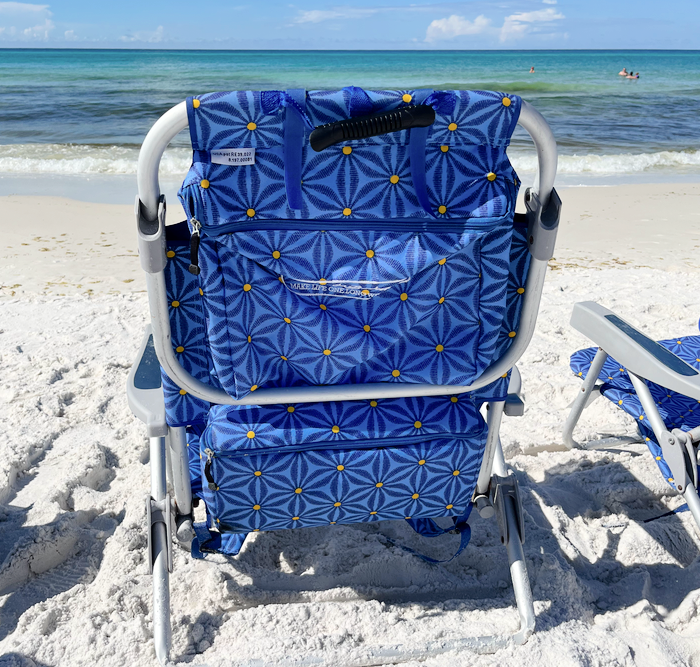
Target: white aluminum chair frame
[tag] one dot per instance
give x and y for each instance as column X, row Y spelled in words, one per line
column 168, row 444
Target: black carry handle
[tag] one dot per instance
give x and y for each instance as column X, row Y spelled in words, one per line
column 415, row 115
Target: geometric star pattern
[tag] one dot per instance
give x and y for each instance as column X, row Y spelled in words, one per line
column 676, row 410
column 359, row 285
column 412, row 297
column 292, row 466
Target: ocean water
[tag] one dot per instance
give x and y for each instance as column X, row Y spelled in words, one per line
column 78, row 113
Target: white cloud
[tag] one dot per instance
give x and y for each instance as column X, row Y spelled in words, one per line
column 517, row 25
column 40, row 32
column 23, row 21
column 150, row 36
column 70, row 36
column 455, row 26
column 549, row 2
column 23, row 8
column 319, row 15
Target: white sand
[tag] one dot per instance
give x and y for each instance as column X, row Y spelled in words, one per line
column 609, row 589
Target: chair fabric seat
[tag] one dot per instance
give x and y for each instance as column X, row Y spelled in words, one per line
column 677, row 410
column 317, row 464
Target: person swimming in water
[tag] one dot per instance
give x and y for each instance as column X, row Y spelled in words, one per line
column 532, row 70
column 632, row 75
column 623, row 72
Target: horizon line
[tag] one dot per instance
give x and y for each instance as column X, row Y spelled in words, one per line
column 281, row 50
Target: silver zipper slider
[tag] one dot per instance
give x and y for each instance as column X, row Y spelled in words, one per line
column 207, row 470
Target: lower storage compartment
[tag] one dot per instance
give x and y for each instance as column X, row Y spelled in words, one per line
column 320, row 483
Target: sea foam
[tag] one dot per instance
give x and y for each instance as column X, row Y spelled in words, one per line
column 66, row 159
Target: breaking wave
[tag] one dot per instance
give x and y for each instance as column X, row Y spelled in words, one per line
column 75, row 159
column 66, row 159
column 622, row 163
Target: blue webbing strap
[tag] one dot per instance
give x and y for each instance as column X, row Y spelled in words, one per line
column 293, row 144
column 208, row 542
column 360, row 103
column 428, row 528
column 416, row 155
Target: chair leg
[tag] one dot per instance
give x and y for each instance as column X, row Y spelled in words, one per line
column 581, row 400
column 160, row 558
column 589, row 392
column 180, row 476
column 691, row 497
column 514, row 544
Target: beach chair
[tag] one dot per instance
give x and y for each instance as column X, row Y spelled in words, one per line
column 656, row 383
column 351, row 288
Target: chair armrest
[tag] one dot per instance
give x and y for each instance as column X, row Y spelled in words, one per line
column 636, row 352
column 144, row 390
column 514, row 403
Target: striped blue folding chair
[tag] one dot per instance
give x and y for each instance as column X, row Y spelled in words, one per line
column 657, row 384
column 351, row 287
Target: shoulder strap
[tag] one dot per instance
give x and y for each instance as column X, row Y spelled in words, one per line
column 293, row 144
column 428, row 528
column 416, row 154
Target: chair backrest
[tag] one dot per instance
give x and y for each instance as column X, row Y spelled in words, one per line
column 394, row 258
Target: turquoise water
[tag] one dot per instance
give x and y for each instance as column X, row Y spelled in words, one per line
column 86, row 111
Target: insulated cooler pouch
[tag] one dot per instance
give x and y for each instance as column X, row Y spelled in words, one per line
column 319, row 464
column 364, row 127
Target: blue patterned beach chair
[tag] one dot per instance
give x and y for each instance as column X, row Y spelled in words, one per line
column 656, row 383
column 351, row 286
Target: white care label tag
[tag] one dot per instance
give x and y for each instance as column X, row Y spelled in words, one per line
column 234, row 156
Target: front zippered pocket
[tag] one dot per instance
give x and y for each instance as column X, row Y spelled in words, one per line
column 344, row 481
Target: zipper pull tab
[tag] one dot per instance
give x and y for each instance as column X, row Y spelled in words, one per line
column 194, row 247
column 207, row 470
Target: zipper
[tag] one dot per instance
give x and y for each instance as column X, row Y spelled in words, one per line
column 195, row 237
column 334, row 445
column 207, row 469
column 394, row 224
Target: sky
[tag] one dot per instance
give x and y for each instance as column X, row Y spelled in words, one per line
column 359, row 24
